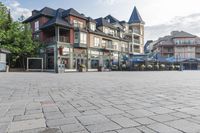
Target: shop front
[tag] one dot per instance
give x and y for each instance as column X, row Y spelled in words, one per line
column 94, row 59
column 65, row 57
column 80, row 58
column 191, row 64
column 50, row 58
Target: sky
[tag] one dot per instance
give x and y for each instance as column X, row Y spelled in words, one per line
column 161, row 16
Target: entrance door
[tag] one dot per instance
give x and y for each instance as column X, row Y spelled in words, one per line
column 194, row 66
column 80, row 61
column 66, row 62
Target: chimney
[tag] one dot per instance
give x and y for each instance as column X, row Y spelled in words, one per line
column 34, row 12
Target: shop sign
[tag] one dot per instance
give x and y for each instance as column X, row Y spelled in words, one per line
column 94, row 52
column 65, row 51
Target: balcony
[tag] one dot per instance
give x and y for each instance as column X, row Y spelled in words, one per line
column 80, row 45
column 168, row 51
column 136, row 50
column 136, row 41
column 124, row 49
column 136, row 31
column 62, row 39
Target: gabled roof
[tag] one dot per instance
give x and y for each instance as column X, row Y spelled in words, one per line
column 178, row 34
column 135, row 17
column 104, row 22
column 46, row 11
column 91, row 19
column 112, row 19
column 57, row 20
column 73, row 12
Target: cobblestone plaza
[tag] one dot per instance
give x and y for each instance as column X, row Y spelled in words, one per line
column 113, row 102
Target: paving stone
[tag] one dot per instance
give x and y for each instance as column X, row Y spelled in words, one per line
column 103, row 127
column 144, row 129
column 92, row 119
column 180, row 115
column 161, row 128
column 163, row 118
column 185, row 126
column 190, row 111
column 140, row 113
column 26, row 125
column 129, row 130
column 72, row 128
column 28, row 117
column 110, row 111
column 53, row 115
column 160, row 110
column 145, row 120
column 125, row 122
column 60, row 122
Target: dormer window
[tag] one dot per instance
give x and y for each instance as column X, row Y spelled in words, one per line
column 36, row 25
column 78, row 24
column 92, row 26
column 108, row 20
column 106, row 30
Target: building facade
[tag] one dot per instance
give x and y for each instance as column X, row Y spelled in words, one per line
column 72, row 39
column 180, row 47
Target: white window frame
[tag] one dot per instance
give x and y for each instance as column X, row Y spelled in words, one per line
column 106, row 30
column 83, row 38
column 92, row 26
column 96, row 41
column 37, row 25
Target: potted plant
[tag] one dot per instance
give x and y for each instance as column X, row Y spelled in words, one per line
column 162, row 67
column 156, row 67
column 142, row 67
column 82, row 68
column 149, row 67
column 177, row 67
column 172, row 67
column 100, row 68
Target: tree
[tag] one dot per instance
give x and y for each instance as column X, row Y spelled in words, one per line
column 17, row 38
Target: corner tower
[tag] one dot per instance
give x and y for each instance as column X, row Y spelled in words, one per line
column 136, row 28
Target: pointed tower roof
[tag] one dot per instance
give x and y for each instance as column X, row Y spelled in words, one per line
column 135, row 17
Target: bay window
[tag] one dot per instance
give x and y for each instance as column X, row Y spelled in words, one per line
column 36, row 25
column 83, row 38
column 96, row 42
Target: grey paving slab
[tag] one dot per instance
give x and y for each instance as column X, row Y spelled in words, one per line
column 26, row 125
column 92, row 119
column 161, row 128
column 103, row 127
column 125, row 122
column 129, row 130
column 185, row 126
column 100, row 102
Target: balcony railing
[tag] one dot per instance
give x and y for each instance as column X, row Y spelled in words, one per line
column 136, row 31
column 63, row 39
column 136, row 41
column 137, row 50
column 109, row 46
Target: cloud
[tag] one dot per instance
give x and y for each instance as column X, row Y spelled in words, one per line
column 17, row 10
column 188, row 23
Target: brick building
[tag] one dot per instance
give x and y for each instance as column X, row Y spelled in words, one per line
column 72, row 39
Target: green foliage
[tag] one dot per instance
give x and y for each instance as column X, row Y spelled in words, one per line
column 16, row 37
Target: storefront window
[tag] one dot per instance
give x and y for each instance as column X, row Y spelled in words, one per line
column 94, row 63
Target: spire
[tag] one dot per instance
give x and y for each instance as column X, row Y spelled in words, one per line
column 135, row 17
